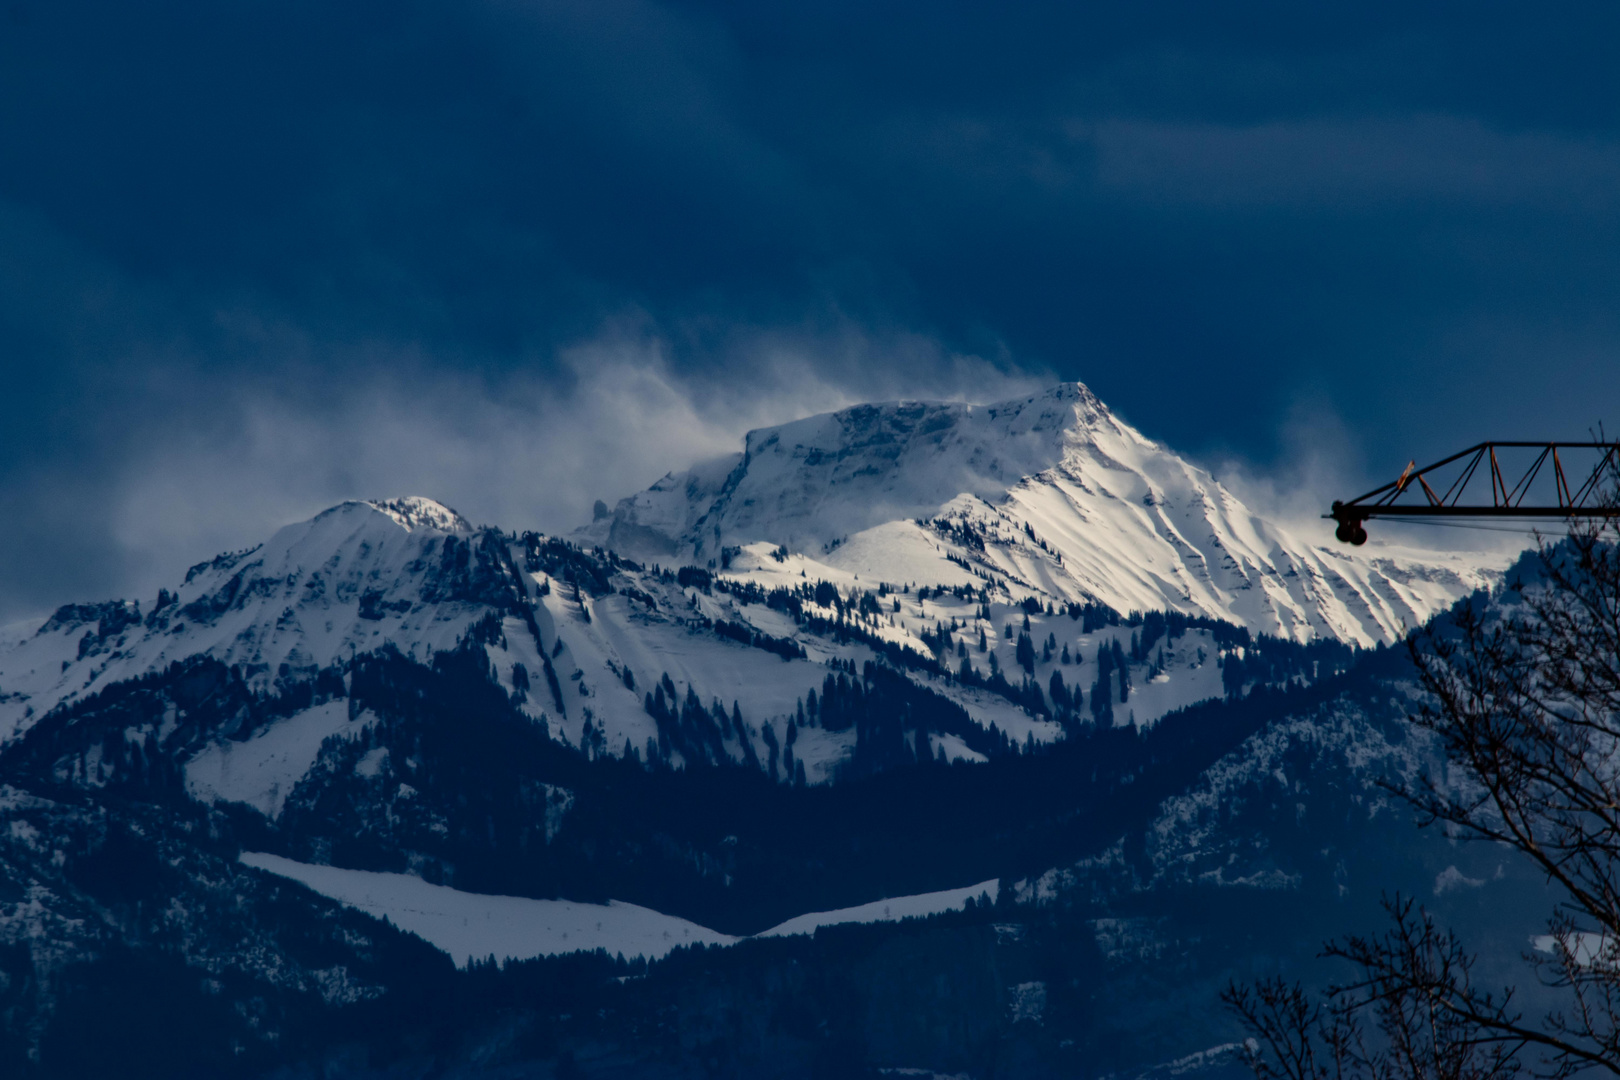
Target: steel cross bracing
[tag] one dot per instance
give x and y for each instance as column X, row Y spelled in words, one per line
column 1580, row 493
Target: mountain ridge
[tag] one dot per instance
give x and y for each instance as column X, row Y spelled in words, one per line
column 1108, row 521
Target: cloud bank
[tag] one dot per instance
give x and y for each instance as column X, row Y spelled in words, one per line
column 523, row 254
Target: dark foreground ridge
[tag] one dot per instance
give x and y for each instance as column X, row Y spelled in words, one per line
column 723, row 846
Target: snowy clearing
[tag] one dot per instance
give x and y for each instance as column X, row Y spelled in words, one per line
column 474, row 926
column 891, row 910
column 263, row 770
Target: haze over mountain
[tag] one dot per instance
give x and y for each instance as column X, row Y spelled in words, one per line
column 263, row 259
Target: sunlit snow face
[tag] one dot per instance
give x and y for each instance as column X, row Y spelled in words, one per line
column 1052, row 491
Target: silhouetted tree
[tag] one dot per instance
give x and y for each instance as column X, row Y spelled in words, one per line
column 1524, row 697
column 1024, row 653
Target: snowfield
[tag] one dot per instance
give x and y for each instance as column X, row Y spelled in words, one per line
column 473, row 926
column 264, row 769
column 891, row 910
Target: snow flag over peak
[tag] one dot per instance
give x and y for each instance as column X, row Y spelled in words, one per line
column 1049, row 495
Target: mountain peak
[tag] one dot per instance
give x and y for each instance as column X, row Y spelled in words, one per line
column 1049, row 494
column 810, row 482
column 418, row 512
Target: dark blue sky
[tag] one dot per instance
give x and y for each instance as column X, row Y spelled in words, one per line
column 257, row 257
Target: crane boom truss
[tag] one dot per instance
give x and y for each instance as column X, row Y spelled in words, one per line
column 1571, row 494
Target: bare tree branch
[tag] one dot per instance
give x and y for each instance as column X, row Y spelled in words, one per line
column 1524, row 698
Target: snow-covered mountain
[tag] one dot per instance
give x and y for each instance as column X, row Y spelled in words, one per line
column 1051, row 495
column 962, row 543
column 616, row 658
column 938, row 648
column 408, row 572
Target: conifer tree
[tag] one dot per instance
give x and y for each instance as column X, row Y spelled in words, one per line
column 1102, row 701
column 1102, row 691
column 1024, row 654
column 1059, row 692
column 773, row 749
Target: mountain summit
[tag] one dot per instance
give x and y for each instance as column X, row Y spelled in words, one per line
column 1052, row 494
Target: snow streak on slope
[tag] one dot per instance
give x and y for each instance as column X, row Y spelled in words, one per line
column 1050, row 494
column 594, row 641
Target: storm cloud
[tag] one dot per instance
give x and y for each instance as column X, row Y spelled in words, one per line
column 259, row 257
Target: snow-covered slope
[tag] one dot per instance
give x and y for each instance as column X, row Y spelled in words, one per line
column 263, row 770
column 602, row 654
column 403, row 572
column 473, row 926
column 1052, row 495
column 411, row 576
